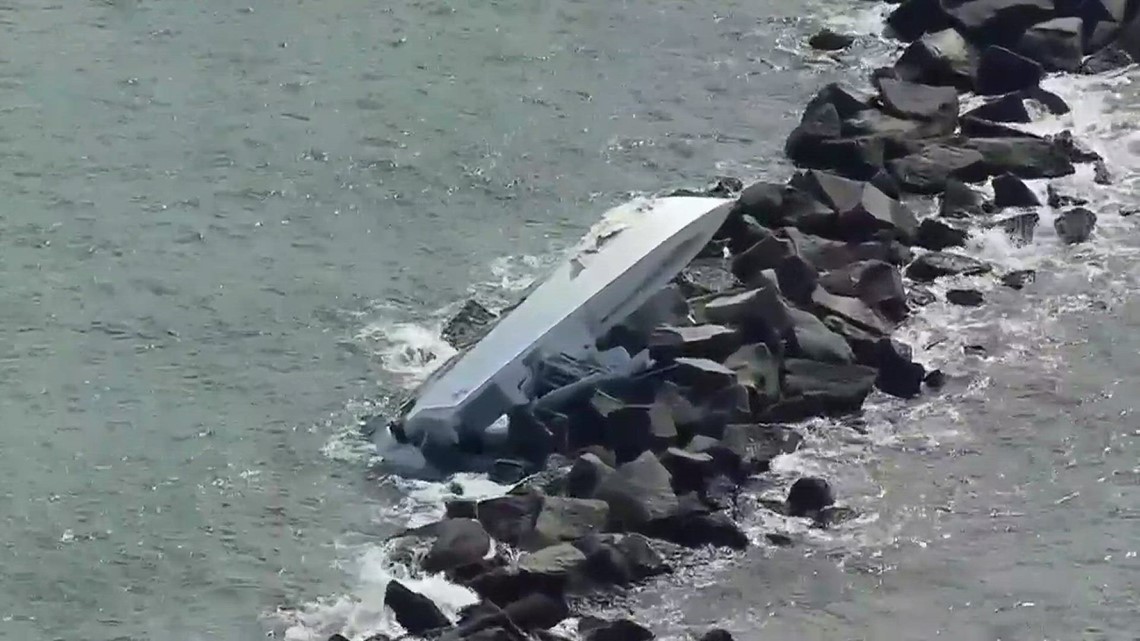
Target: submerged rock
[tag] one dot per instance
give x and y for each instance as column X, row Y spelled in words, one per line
column 827, row 388
column 898, row 374
column 965, row 297
column 934, row 265
column 808, row 496
column 1075, row 226
column 594, row 629
column 1018, row 279
column 1020, row 228
column 936, row 235
column 1107, row 59
column 1010, row 191
column 414, row 612
column 828, row 40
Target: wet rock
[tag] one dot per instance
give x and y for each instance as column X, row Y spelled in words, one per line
column 933, row 265
column 811, row 339
column 763, row 202
column 913, row 18
column 555, row 561
column 852, row 310
column 797, row 279
column 826, row 255
column 716, row 634
column 594, row 629
column 1019, row 279
column 977, row 128
column 1008, row 108
column 828, row 40
column 537, row 611
column 1058, row 199
column 1010, row 191
column 808, row 496
column 1075, row 226
column 460, row 542
column 935, row 379
column 919, row 296
column 757, row 311
column 701, row 373
column 758, row 370
column 414, row 612
column 767, row 253
column 690, row 470
column 1002, row 71
column 1101, row 175
column 468, row 325
column 887, row 184
column 709, row 341
column 460, row 509
column 997, row 21
column 959, row 200
column 862, row 211
column 338, row 637
column 692, row 525
column 1055, row 44
column 936, row 235
column 920, row 102
column 927, row 171
column 827, row 388
column 510, row 518
column 965, row 297
column 941, row 58
column 507, row 471
column 632, row 428
column 1107, row 59
column 779, row 540
column 898, row 375
column 640, row 491
column 1023, row 157
column 566, row 519
column 586, row 475
column 1020, row 228
column 877, row 285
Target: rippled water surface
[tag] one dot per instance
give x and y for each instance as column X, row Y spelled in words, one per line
column 227, row 230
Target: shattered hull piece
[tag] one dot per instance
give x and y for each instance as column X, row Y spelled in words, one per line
column 607, row 278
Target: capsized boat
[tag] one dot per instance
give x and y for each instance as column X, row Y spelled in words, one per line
column 614, row 271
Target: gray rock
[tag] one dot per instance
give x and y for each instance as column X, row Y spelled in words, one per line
column 928, row 171
column 995, row 20
column 587, row 474
column 797, row 279
column 566, row 519
column 937, row 235
column 1075, row 226
column 1108, row 59
column 1020, row 228
column 1055, row 44
column 814, row 341
column 767, row 253
column 554, row 561
column 459, row 542
column 634, row 428
column 667, row 342
column 510, row 518
column 760, row 306
column 758, row 370
column 960, row 201
column 702, row 374
column 593, row 629
column 1010, row 191
column 851, row 310
column 826, row 387
column 939, row 58
column 1023, row 157
column 1018, row 279
column 1002, row 71
column 639, row 492
column 933, row 265
column 920, row 102
column 828, row 40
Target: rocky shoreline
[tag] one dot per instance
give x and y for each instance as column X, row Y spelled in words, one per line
column 786, row 315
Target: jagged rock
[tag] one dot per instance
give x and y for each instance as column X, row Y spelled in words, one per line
column 414, row 612
column 887, row 184
column 816, row 141
column 826, row 255
column 1055, row 44
column 701, row 373
column 1107, row 59
column 808, row 496
column 1101, row 175
column 460, row 542
column 1056, row 199
column 920, row 102
column 552, row 561
column 895, row 132
column 927, row 171
column 852, row 310
column 586, row 475
column 758, row 371
column 1002, row 71
column 862, row 211
column 1020, row 228
column 630, row 429
column 1019, row 279
column 1010, row 191
column 461, row 509
column 997, row 21
column 690, row 470
column 797, row 279
column 594, row 629
column 933, row 265
column 767, row 253
column 977, row 128
column 763, row 201
column 935, row 379
column 537, row 611
column 1023, row 157
column 811, row 339
column 960, row 201
column 640, row 491
column 898, row 375
column 756, row 311
column 468, row 325
column 705, row 341
column 566, row 519
column 1008, row 108
column 827, row 388
column 941, row 58
column 621, row 559
column 875, row 283
column 695, row 529
column 846, row 102
column 965, row 297
column 936, row 235
column 1075, row 226
column 510, row 518
column 549, row 479
column 913, row 18
column 828, row 40
column 507, row 471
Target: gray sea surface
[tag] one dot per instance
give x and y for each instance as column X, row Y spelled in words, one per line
column 228, row 230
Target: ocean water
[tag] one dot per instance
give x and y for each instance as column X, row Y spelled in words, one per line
column 230, row 230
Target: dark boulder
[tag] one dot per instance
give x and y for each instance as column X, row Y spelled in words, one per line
column 811, row 339
column 594, row 629
column 920, row 102
column 586, row 475
column 507, row 471
column 1023, row 157
column 414, row 612
column 827, row 388
column 898, row 375
column 667, row 342
column 887, row 184
column 977, row 128
column 621, row 559
column 640, row 491
column 758, row 371
column 757, row 312
column 1018, row 279
column 1010, row 191
column 933, row 265
column 566, row 519
column 1020, row 228
column 690, row 470
column 536, row 611
column 1108, row 59
column 632, row 428
column 716, row 634
column 828, row 40
column 1055, row 44
column 797, row 279
column 928, row 171
column 937, row 235
column 460, row 542
column 510, row 518
column 913, row 18
column 855, row 311
column 468, row 325
column 701, row 374
column 767, row 253
column 808, row 496
column 825, row 254
column 1075, row 150
column 1008, row 108
column 942, row 58
column 763, row 202
column 856, row 157
column 965, row 297
column 698, row 528
column 1002, row 71
column 1101, row 174
column 1075, row 226
column 876, row 284
column 862, row 210
column 461, row 509
column 959, row 200
column 996, row 21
